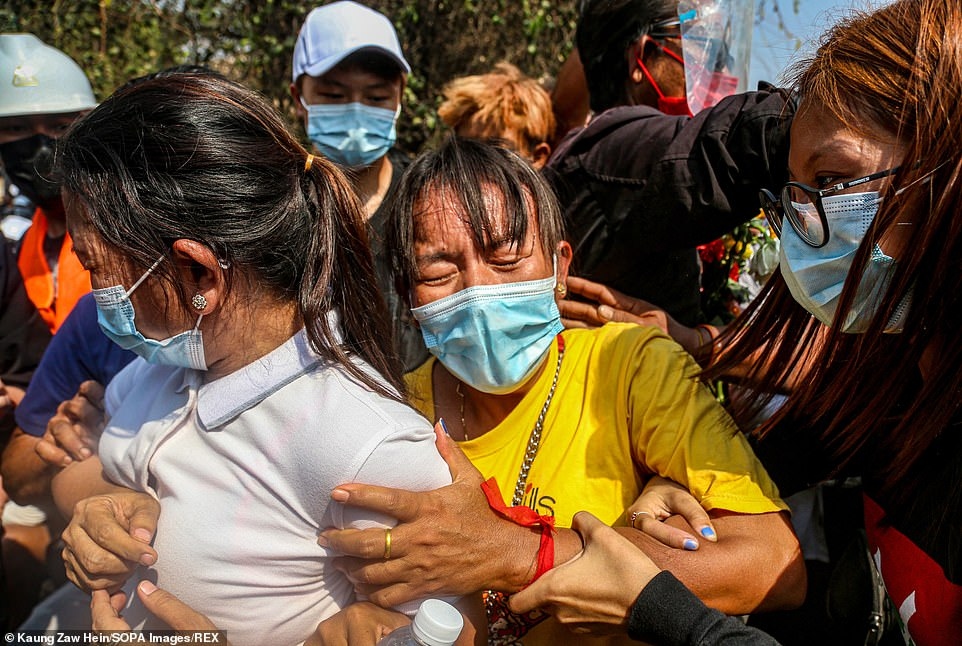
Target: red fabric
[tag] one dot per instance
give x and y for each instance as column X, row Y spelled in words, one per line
column 929, row 604
column 526, row 517
column 54, row 302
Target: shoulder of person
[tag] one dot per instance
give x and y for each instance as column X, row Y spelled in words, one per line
column 608, row 124
column 388, row 414
column 618, row 339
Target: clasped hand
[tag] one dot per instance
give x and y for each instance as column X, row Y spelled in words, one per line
column 108, row 536
column 448, row 541
column 74, row 432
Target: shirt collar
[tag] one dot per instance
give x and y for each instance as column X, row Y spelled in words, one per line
column 222, row 400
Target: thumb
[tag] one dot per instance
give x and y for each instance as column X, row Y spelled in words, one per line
column 458, row 463
column 142, row 518
column 104, row 611
column 93, row 392
column 171, row 610
column 587, row 525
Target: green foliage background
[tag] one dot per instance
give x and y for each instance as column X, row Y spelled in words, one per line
column 252, row 41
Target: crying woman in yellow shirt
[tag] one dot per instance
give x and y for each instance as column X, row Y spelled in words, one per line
column 562, row 420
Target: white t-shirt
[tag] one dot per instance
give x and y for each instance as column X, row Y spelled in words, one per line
column 243, row 468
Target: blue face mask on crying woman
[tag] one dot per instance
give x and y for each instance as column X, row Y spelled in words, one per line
column 492, row 337
column 115, row 314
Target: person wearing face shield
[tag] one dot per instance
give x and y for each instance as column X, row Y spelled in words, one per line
column 868, row 295
column 44, row 92
column 349, row 75
column 644, row 182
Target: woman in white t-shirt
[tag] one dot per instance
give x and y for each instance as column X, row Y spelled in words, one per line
column 236, row 265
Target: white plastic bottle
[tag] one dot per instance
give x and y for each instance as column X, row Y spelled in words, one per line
column 436, row 623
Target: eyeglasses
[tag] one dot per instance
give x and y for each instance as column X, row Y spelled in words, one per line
column 670, row 28
column 802, row 205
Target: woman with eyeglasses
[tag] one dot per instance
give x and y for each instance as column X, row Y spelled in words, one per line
column 871, row 285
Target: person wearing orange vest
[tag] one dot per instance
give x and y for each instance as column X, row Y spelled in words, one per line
column 42, row 91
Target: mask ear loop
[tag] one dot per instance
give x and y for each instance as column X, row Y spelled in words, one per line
column 925, row 179
column 644, row 68
column 651, row 79
column 144, row 277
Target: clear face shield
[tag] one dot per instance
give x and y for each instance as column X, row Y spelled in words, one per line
column 716, row 42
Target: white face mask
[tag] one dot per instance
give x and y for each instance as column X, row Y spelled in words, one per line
column 816, row 276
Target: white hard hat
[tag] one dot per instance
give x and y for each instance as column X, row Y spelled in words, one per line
column 38, row 79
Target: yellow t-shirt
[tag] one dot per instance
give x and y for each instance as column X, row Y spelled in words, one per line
column 627, row 405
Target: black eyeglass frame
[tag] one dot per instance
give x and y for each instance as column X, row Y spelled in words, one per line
column 666, row 29
column 775, row 209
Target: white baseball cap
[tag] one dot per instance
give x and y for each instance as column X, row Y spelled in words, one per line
column 335, row 31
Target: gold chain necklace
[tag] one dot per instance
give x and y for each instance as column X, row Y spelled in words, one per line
column 496, row 603
column 464, row 426
column 534, row 440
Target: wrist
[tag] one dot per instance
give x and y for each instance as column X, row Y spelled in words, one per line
column 567, row 545
column 705, row 346
column 688, row 338
column 520, row 561
column 534, row 525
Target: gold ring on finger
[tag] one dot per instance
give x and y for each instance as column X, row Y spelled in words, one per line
column 387, row 543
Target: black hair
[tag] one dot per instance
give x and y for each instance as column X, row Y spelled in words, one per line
column 372, row 61
column 606, row 29
column 465, row 168
column 196, row 156
column 170, row 71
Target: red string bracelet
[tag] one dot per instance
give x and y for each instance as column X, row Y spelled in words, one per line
column 526, row 517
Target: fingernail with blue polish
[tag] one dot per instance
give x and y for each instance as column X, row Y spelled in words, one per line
column 444, row 426
column 690, row 544
column 708, row 532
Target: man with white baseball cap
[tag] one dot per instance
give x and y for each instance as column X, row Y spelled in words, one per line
column 349, row 77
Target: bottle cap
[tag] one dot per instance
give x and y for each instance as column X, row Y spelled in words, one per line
column 437, row 623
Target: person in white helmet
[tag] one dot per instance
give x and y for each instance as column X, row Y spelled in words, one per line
column 42, row 92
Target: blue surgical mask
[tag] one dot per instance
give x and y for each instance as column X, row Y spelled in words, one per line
column 492, row 337
column 115, row 314
column 351, row 134
column 815, row 277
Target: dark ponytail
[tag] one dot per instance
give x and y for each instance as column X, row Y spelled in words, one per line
column 194, row 155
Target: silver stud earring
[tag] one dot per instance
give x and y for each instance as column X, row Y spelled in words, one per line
column 199, row 302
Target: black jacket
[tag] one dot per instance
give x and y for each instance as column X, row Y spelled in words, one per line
column 641, row 189
column 667, row 613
